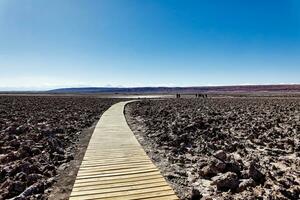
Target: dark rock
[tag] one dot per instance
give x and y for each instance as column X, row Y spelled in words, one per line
column 24, row 151
column 11, row 130
column 255, row 174
column 15, row 143
column 220, row 155
column 18, row 187
column 214, row 167
column 33, row 178
column 21, row 176
column 57, row 157
column 22, row 129
column 226, row 181
column 13, row 187
column 63, row 166
column 27, row 168
column 172, row 175
column 69, row 157
column 59, row 150
column 196, row 195
column 8, row 158
column 33, row 189
column 246, row 183
column 208, row 171
column 50, row 181
column 35, row 151
column 3, row 174
column 233, row 166
column 292, row 193
column 49, row 168
column 6, row 149
column 219, row 165
column 244, row 174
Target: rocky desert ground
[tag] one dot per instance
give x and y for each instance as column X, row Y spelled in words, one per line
column 223, row 148
column 215, row 148
column 38, row 137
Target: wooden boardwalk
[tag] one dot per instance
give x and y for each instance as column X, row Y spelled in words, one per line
column 115, row 166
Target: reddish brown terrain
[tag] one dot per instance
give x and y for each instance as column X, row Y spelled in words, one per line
column 223, row 148
column 38, row 137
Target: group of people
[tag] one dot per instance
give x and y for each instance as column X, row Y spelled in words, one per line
column 177, row 95
column 197, row 95
column 201, row 95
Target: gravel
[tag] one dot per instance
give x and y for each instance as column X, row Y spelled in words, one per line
column 38, row 137
column 223, row 148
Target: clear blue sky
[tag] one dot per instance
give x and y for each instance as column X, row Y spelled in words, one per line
column 58, row 43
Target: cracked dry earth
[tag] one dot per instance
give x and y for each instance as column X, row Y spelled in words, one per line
column 223, row 148
column 39, row 137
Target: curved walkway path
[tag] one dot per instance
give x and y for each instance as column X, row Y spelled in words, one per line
column 115, row 165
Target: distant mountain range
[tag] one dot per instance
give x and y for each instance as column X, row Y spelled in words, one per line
column 172, row 90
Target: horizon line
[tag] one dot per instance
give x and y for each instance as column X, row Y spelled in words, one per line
column 45, row 89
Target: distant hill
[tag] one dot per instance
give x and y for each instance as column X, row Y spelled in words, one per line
column 164, row 90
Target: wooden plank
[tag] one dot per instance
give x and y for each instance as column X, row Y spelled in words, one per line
column 83, row 166
column 117, row 171
column 114, row 168
column 118, row 181
column 118, row 184
column 123, row 194
column 136, row 163
column 114, row 190
column 117, row 174
column 115, row 165
column 124, row 176
column 142, row 194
